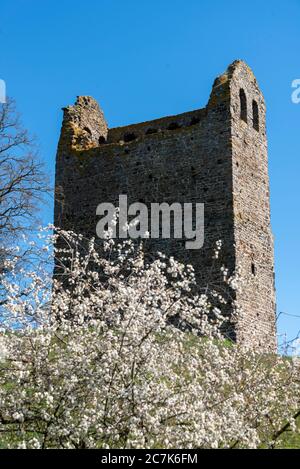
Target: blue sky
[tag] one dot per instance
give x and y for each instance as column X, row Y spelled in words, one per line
column 143, row 59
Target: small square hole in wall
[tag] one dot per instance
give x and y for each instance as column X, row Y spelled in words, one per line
column 173, row 126
column 129, row 137
column 151, row 131
column 194, row 120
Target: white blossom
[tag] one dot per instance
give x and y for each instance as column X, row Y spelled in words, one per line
column 121, row 352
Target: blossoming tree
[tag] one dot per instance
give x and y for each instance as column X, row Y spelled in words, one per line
column 94, row 359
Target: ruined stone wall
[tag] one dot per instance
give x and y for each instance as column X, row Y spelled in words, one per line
column 186, row 158
column 251, row 207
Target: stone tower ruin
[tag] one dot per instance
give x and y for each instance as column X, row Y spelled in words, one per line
column 216, row 156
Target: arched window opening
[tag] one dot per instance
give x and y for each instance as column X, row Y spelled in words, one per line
column 102, row 139
column 243, row 105
column 255, row 115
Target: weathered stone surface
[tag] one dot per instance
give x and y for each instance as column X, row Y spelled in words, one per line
column 212, row 156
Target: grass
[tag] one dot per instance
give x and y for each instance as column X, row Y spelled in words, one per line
column 290, row 440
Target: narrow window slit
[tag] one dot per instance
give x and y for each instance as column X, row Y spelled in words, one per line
column 243, row 105
column 255, row 115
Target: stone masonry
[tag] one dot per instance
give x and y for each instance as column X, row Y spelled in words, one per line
column 216, row 156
